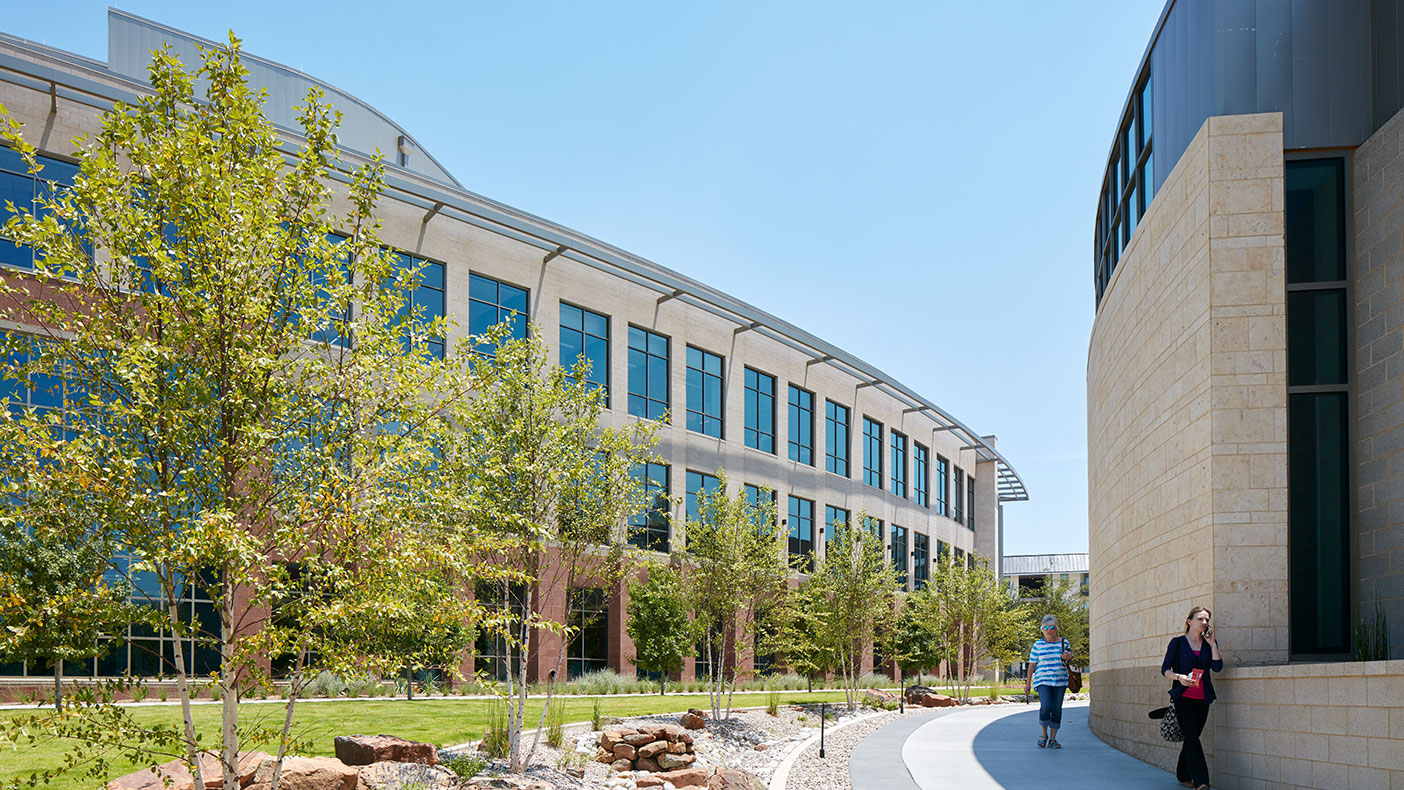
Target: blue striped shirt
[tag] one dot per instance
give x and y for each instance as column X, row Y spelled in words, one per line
column 1050, row 670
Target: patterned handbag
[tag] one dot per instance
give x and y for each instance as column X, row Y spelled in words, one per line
column 1074, row 677
column 1170, row 726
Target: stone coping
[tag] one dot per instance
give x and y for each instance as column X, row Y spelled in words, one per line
column 1314, row 669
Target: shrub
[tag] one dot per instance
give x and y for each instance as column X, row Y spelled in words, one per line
column 596, row 719
column 139, row 692
column 325, row 684
column 163, row 693
column 465, row 767
column 872, row 680
column 772, row 703
column 606, row 681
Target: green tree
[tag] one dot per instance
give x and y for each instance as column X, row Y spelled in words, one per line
column 733, row 571
column 979, row 620
column 528, row 463
column 254, row 385
column 659, row 622
column 801, row 642
column 918, row 640
column 855, row 589
column 1061, row 597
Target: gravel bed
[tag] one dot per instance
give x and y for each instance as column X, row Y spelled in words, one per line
column 831, row 773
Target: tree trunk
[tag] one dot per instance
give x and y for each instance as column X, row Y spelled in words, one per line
column 294, row 688
column 229, row 701
column 183, row 688
column 58, row 684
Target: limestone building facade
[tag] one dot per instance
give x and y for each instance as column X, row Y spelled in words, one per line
column 745, row 391
column 1243, row 408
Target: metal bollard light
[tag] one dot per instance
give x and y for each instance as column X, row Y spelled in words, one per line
column 823, row 717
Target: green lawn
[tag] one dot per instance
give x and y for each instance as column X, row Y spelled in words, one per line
column 438, row 720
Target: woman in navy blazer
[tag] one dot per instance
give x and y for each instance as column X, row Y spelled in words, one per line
column 1189, row 659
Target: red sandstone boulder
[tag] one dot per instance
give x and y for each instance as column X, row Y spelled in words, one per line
column 175, row 776
column 687, row 777
column 638, row 739
column 624, row 751
column 367, row 749
column 669, row 762
column 621, row 765
column 647, row 764
column 693, row 720
column 667, row 732
column 653, row 749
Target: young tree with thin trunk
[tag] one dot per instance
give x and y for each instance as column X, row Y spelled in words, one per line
column 854, row 597
column 528, row 463
column 733, row 569
column 256, row 390
column 659, row 623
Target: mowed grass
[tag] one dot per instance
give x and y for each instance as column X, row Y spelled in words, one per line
column 441, row 721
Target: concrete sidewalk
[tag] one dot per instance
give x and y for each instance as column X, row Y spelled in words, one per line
column 993, row 747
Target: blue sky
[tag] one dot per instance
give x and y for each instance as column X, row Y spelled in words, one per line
column 914, row 182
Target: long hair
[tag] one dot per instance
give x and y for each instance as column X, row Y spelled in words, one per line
column 1196, row 610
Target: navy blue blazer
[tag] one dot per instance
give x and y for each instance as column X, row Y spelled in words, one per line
column 1179, row 657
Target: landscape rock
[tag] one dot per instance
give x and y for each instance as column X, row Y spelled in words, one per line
column 648, row 764
column 505, row 783
column 175, row 776
column 624, row 751
column 684, row 778
column 879, row 696
column 667, row 732
column 733, row 779
column 393, row 775
column 692, row 721
column 653, row 749
column 669, row 762
column 307, row 773
column 621, row 765
column 609, row 738
column 367, row 749
column 638, row 739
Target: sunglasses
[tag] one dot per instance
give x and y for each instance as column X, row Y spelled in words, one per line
column 1050, row 628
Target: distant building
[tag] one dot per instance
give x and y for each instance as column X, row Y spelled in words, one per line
column 1027, row 573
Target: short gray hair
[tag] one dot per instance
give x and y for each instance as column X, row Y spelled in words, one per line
column 1050, row 619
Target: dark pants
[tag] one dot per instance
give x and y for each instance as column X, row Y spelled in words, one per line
column 1192, row 713
column 1050, row 706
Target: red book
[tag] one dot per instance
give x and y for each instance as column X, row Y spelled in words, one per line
column 1195, row 675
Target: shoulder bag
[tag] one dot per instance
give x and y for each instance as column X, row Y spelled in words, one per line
column 1074, row 677
column 1169, row 723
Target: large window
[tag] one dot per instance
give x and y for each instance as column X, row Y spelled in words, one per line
column 921, row 560
column 899, row 553
column 650, row 529
column 585, row 336
column 959, row 491
column 698, row 484
column 760, row 411
column 491, row 303
column 801, row 525
column 943, row 485
column 427, row 299
column 899, row 464
column 943, row 552
column 24, row 190
column 493, row 653
column 872, row 452
column 875, row 528
column 648, row 374
column 1129, row 185
column 1319, row 417
column 921, row 474
column 801, row 425
column 836, row 442
column 759, row 498
column 588, row 650
column 970, row 502
column 704, row 392
column 833, row 516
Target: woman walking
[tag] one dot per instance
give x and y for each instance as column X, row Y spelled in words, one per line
column 1188, row 661
column 1049, row 675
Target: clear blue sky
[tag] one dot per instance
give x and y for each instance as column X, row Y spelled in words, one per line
column 914, row 182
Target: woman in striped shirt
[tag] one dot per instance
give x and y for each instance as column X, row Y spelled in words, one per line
column 1049, row 675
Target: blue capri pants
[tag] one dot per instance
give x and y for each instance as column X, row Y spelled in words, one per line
column 1050, row 706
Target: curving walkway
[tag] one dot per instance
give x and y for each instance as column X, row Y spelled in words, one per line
column 993, row 747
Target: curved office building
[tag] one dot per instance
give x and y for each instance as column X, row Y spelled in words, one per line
column 1245, row 387
column 746, row 391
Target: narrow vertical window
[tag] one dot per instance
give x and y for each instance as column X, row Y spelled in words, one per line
column 899, row 554
column 704, row 392
column 760, row 411
column 801, row 426
column 959, row 491
column 921, row 560
column 836, row 438
column 899, row 464
column 970, row 502
column 872, row 452
column 943, row 482
column 921, row 474
column 588, row 650
column 585, row 337
column 648, row 374
column 801, row 534
column 698, row 484
column 833, row 517
column 650, row 529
